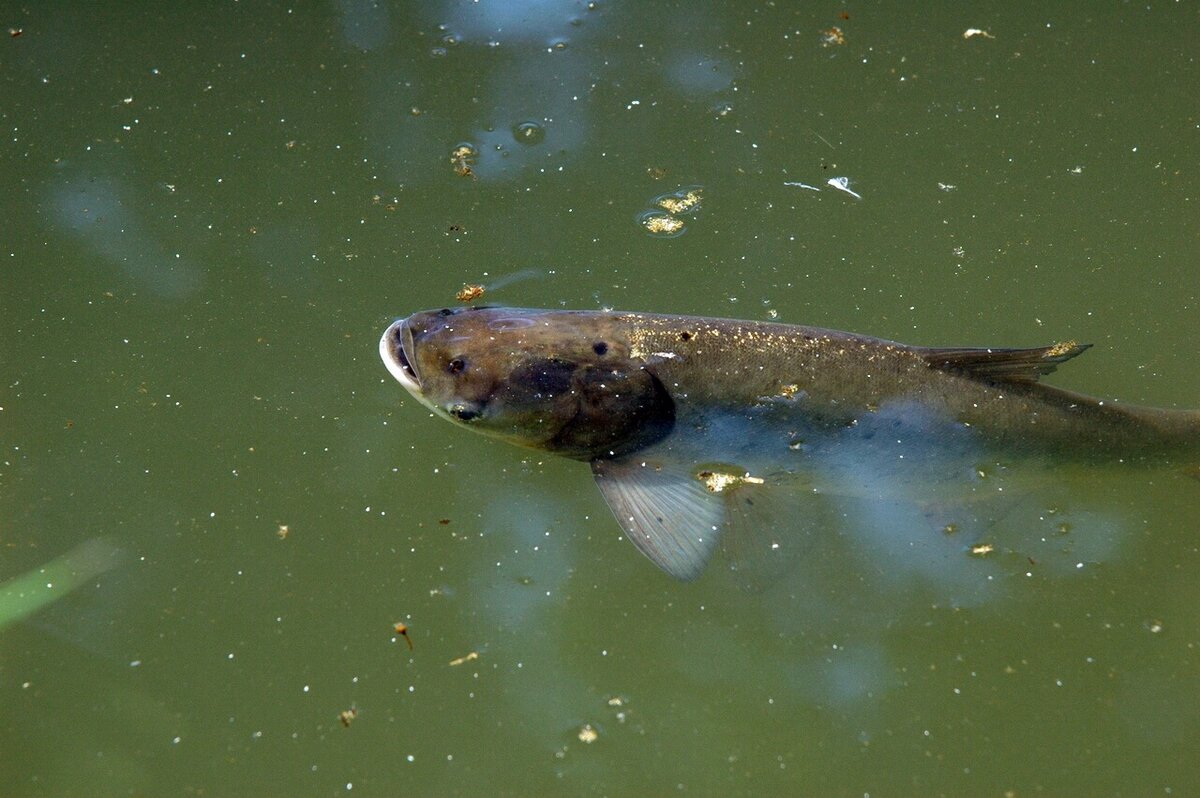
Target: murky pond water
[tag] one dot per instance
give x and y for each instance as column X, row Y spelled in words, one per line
column 216, row 505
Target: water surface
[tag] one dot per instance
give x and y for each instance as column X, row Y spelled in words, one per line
column 210, row 215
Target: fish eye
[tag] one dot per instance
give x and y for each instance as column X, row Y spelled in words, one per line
column 445, row 312
column 456, row 366
column 600, row 348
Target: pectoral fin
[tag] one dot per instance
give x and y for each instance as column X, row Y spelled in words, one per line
column 678, row 510
column 768, row 525
column 667, row 513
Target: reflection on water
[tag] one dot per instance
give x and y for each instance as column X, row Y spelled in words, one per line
column 208, row 218
column 103, row 216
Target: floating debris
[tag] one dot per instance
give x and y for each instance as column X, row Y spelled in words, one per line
column 716, row 481
column 971, row 33
column 470, row 292
column 283, row 531
column 833, row 37
column 467, row 658
column 529, row 133
column 842, row 184
column 347, row 716
column 662, row 224
column 982, row 549
column 1059, row 349
column 463, row 157
column 680, row 202
column 401, row 629
column 588, row 735
column 801, row 185
column 618, row 703
column 662, row 219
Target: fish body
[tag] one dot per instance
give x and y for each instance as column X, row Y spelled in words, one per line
column 703, row 432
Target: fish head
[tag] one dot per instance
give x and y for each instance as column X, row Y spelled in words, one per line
column 558, row 381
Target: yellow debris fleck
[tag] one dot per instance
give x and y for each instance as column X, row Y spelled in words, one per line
column 833, row 36
column 981, row 549
column 463, row 158
column 680, row 204
column 663, row 224
column 717, row 481
column 467, row 658
column 1061, row 348
column 587, row 734
column 470, row 292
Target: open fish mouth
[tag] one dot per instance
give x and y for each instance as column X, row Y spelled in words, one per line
column 396, row 342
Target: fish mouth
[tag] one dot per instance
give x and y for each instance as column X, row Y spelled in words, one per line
column 394, row 346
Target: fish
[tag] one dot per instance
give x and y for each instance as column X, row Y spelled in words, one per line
column 752, row 437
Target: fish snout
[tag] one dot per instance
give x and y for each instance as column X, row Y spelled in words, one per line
column 395, row 348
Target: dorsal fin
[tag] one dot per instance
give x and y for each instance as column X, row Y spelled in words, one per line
column 1015, row 366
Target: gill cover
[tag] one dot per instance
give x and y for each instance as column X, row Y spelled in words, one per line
column 595, row 410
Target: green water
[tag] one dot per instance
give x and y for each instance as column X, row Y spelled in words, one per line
column 210, row 214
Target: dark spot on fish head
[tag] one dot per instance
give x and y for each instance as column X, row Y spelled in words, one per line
column 685, row 336
column 600, row 348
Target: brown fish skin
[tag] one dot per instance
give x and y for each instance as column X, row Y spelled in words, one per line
column 591, row 385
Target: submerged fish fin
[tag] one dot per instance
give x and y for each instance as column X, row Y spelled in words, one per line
column 1019, row 366
column 767, row 528
column 665, row 511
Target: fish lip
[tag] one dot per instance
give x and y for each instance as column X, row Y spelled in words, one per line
column 394, row 345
